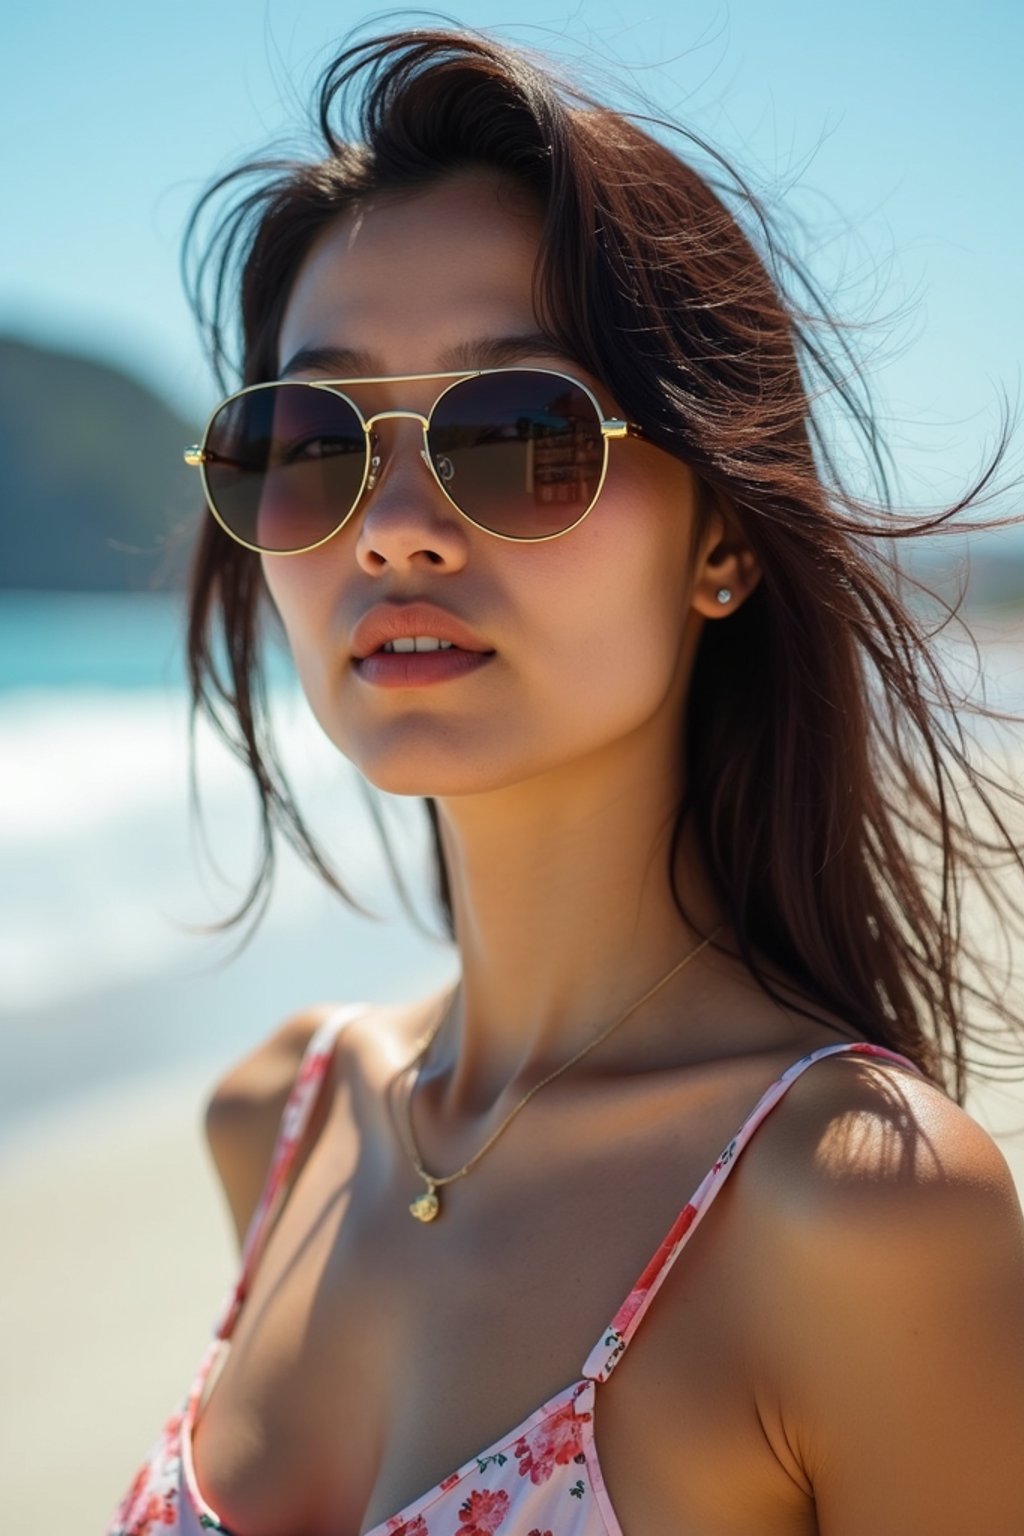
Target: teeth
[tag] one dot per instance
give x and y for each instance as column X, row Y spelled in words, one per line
column 418, row 643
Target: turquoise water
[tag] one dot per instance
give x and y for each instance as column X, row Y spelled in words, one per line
column 59, row 640
column 70, row 639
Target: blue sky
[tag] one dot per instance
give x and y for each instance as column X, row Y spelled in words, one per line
column 892, row 129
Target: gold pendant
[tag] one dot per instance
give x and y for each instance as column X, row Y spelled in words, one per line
column 426, row 1206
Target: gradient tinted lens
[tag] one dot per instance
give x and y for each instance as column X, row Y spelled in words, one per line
column 285, row 464
column 520, row 451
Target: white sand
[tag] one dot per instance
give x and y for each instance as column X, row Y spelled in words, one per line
column 119, row 1251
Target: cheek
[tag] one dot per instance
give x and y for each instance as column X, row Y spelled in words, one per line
column 609, row 609
column 303, row 590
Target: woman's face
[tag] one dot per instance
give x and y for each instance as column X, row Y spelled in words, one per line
column 593, row 632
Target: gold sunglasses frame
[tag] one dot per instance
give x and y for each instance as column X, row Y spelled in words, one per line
column 611, row 427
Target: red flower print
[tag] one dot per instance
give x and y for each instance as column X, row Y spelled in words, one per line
column 535, row 1532
column 555, row 1441
column 449, row 1482
column 305, row 1084
column 638, row 1295
column 629, row 1308
column 398, row 1527
column 151, row 1500
column 308, row 1071
column 160, row 1509
column 483, row 1512
column 171, row 1433
column 149, row 1509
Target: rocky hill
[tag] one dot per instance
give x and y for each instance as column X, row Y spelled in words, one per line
column 93, row 487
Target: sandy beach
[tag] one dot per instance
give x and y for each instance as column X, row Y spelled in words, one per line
column 119, row 1251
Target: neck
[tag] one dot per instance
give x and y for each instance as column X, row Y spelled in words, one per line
column 564, row 918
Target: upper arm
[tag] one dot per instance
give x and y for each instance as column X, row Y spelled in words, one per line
column 243, row 1114
column 899, row 1315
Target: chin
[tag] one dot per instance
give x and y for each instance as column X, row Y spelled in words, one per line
column 436, row 769
column 413, row 779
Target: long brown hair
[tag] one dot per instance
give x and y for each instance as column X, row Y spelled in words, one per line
column 824, row 752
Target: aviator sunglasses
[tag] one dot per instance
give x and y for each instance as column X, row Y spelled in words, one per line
column 521, row 452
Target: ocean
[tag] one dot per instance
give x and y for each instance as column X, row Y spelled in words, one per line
column 103, row 883
column 105, row 880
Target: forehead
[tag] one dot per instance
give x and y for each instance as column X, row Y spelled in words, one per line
column 400, row 276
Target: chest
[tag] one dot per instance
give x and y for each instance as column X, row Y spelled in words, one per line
column 375, row 1355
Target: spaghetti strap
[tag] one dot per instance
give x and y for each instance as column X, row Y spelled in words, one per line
column 302, row 1099
column 614, row 1340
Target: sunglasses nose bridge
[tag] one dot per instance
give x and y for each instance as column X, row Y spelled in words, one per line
column 373, row 438
column 371, row 421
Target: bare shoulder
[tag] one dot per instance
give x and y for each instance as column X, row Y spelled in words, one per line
column 895, row 1347
column 262, row 1078
column 860, row 1132
column 244, row 1110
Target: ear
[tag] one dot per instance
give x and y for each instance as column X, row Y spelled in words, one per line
column 725, row 563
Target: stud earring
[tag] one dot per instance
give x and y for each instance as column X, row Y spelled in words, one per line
column 724, row 594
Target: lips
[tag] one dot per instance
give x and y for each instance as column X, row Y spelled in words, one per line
column 420, row 669
column 396, row 621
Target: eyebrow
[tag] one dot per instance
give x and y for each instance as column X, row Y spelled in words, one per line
column 480, row 352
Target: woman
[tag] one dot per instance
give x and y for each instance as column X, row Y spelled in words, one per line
column 518, row 393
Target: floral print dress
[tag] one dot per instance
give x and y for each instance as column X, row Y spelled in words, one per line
column 542, row 1478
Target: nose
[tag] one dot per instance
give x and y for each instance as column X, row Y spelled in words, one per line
column 403, row 516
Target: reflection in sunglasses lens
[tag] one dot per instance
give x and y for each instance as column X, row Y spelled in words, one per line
column 520, row 451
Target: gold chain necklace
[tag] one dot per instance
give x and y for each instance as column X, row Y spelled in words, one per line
column 428, row 1205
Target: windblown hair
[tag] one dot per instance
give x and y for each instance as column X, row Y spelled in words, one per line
column 826, row 767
